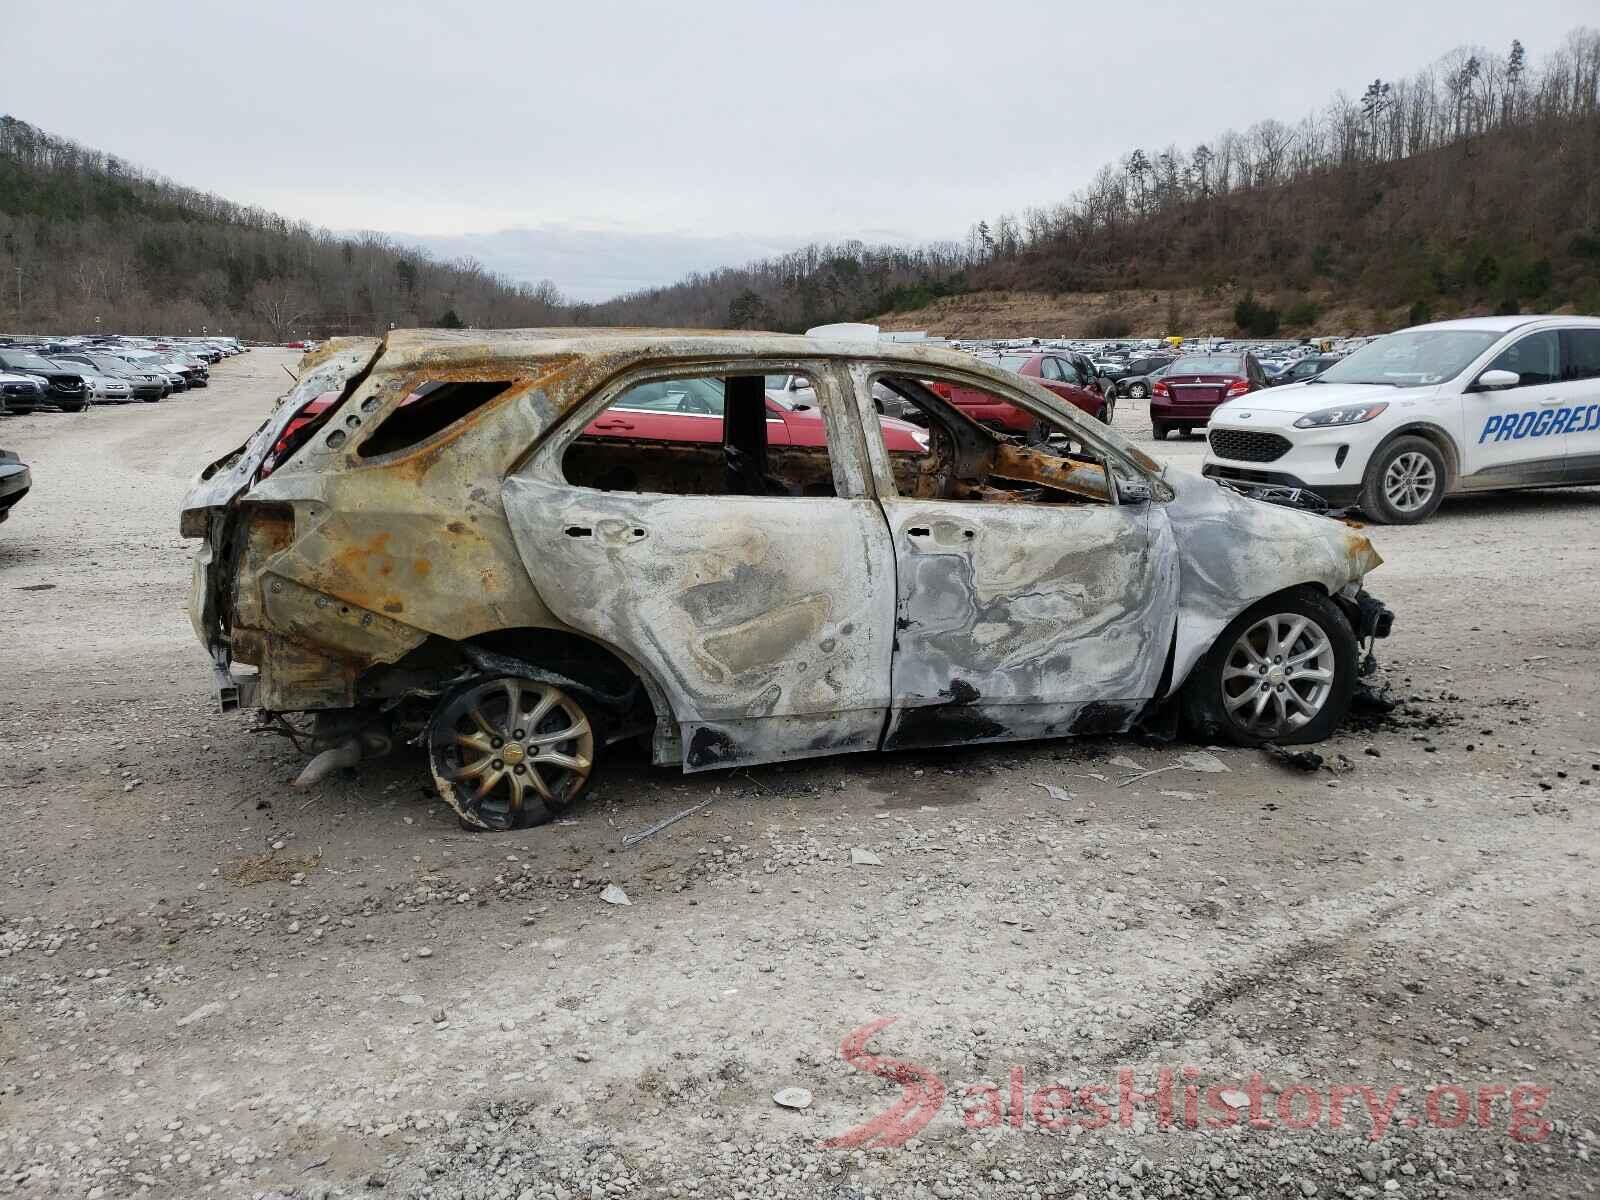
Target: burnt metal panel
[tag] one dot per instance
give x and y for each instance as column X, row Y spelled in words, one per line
column 1014, row 618
column 767, row 621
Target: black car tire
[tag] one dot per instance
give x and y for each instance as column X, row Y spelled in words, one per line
column 1204, row 706
column 1376, row 483
column 1138, row 391
column 1158, row 430
column 479, row 711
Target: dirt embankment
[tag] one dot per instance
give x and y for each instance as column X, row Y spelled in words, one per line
column 1191, row 312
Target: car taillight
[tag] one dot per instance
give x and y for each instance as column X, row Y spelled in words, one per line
column 1238, row 387
column 1160, row 389
column 286, row 444
column 942, row 390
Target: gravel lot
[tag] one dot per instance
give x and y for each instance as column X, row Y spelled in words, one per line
column 213, row 985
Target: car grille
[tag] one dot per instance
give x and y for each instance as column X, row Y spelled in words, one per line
column 1246, row 445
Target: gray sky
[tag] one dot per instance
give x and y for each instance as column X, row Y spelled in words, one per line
column 705, row 131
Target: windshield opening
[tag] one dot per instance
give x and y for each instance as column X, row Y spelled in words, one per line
column 1415, row 358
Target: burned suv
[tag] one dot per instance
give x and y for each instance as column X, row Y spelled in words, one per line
column 471, row 541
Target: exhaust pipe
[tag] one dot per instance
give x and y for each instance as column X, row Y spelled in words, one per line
column 346, row 754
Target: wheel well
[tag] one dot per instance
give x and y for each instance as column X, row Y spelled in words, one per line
column 567, row 653
column 1441, row 440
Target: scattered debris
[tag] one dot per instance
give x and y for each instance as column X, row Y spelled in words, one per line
column 1126, row 763
column 864, row 858
column 633, row 839
column 201, row 1013
column 1056, row 793
column 35, row 587
column 792, row 1097
column 270, row 868
column 615, row 895
column 1295, row 760
column 1195, row 760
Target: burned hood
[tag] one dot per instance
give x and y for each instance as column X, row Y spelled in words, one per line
column 326, row 370
column 1235, row 550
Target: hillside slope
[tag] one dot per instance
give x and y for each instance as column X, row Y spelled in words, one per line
column 89, row 241
column 1470, row 186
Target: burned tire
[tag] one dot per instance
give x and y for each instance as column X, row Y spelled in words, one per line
column 1283, row 671
column 510, row 752
column 1404, row 482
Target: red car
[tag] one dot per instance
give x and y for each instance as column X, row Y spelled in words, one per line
column 1190, row 390
column 690, row 410
column 674, row 410
column 1053, row 371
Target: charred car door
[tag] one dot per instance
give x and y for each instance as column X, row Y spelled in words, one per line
column 752, row 578
column 1032, row 599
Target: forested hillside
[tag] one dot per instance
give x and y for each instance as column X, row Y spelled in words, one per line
column 89, row 241
column 1473, row 185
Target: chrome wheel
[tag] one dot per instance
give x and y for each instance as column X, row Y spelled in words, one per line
column 1409, row 483
column 506, row 753
column 1278, row 675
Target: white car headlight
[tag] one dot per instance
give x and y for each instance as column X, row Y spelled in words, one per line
column 1348, row 414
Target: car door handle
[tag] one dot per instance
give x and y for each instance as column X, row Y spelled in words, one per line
column 613, row 424
column 1549, row 400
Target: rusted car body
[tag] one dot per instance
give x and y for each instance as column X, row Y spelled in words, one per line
column 734, row 603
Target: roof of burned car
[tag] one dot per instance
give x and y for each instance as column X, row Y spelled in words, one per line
column 403, row 347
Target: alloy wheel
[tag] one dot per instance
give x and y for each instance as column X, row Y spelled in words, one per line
column 1409, row 482
column 1278, row 675
column 508, row 752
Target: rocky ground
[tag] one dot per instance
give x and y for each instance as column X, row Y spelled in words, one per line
column 214, row 985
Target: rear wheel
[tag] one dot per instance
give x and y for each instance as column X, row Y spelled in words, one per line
column 1138, row 391
column 1283, row 671
column 1404, row 482
column 1158, row 430
column 1108, row 409
column 511, row 752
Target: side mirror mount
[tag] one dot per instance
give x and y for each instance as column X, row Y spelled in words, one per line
column 1133, row 491
column 1497, row 381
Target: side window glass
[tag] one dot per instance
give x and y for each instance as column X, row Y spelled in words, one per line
column 1050, row 369
column 1582, row 360
column 1533, row 359
column 707, row 435
column 968, row 450
column 1071, row 374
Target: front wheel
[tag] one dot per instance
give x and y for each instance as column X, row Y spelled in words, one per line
column 1108, row 410
column 1283, row 671
column 510, row 752
column 1404, row 482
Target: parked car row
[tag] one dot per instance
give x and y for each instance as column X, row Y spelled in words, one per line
column 72, row 373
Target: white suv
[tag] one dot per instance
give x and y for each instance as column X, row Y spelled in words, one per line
column 1472, row 405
